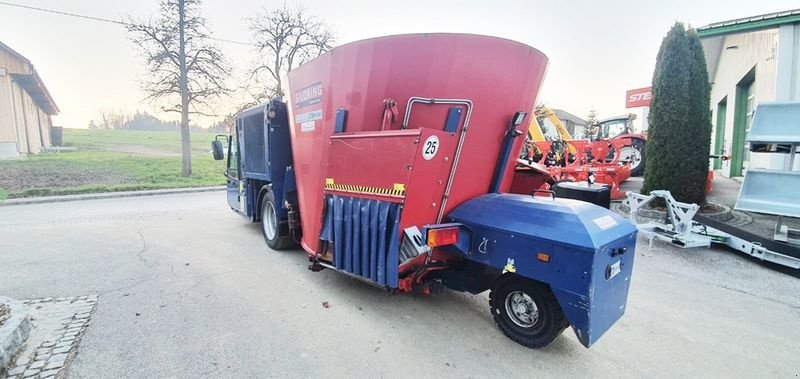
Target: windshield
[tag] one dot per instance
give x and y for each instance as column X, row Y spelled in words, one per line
column 613, row 128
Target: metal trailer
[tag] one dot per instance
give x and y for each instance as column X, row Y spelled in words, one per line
column 390, row 162
column 683, row 227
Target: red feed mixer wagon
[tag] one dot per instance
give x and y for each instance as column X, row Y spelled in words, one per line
column 390, row 162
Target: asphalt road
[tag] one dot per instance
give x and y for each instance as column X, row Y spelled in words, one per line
column 188, row 289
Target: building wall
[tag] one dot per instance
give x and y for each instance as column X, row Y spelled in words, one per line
column 24, row 127
column 753, row 50
column 788, row 84
column 8, row 136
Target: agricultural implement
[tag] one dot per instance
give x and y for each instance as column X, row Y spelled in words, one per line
column 545, row 162
column 774, row 192
column 685, row 228
column 391, row 163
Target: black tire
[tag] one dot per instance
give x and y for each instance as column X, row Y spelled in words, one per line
column 638, row 145
column 539, row 330
column 269, row 224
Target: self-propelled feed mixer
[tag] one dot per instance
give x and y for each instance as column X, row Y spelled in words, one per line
column 390, row 162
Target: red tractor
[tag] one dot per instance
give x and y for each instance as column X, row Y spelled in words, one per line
column 621, row 128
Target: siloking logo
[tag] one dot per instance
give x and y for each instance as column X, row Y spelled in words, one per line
column 639, row 97
column 308, row 96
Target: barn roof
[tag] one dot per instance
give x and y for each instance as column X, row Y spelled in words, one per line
column 32, row 83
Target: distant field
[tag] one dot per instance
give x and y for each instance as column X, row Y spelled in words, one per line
column 110, row 160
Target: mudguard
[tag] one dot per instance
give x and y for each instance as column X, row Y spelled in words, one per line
column 582, row 251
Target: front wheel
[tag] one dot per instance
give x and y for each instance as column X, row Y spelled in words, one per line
column 526, row 311
column 269, row 224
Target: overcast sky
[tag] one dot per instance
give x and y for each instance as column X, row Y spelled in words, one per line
column 597, row 49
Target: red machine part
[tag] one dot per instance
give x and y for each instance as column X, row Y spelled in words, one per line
column 592, row 157
column 488, row 78
column 382, row 163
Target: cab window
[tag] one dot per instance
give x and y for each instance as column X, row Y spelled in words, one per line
column 613, row 129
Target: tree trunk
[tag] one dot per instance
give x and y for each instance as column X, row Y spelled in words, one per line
column 186, row 144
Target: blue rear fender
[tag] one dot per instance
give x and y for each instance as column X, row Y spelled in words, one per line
column 582, row 251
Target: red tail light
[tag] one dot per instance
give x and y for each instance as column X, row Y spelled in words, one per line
column 442, row 237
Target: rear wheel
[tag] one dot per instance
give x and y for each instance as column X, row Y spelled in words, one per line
column 269, row 224
column 526, row 311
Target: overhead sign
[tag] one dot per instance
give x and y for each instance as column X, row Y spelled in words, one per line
column 639, row 97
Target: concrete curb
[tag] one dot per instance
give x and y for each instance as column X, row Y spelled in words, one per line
column 106, row 195
column 14, row 332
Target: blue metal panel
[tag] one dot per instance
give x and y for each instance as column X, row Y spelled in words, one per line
column 570, row 222
column 392, row 255
column 347, row 220
column 365, row 237
column 355, row 248
column 363, row 269
column 584, row 243
column 279, row 151
column 453, row 119
column 380, row 262
column 373, row 240
column 341, row 119
column 266, row 154
column 337, row 217
column 502, row 160
column 326, row 234
column 290, row 188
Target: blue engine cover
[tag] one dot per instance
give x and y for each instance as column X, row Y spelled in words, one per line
column 590, row 251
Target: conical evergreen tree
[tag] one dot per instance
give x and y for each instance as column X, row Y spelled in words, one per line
column 679, row 134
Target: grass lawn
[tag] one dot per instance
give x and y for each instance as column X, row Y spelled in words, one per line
column 111, row 160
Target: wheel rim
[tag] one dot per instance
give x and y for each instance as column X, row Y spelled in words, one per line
column 270, row 221
column 521, row 309
column 632, row 155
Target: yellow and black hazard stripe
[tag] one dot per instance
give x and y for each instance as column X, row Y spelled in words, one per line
column 399, row 189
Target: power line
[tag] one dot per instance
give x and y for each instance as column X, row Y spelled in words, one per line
column 92, row 18
column 64, row 13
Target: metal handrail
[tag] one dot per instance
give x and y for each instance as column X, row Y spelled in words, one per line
column 468, row 104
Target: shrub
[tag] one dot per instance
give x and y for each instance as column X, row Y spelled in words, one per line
column 679, row 134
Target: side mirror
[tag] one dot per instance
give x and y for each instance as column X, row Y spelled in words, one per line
column 217, row 150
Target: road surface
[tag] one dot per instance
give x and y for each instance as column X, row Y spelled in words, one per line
column 188, row 289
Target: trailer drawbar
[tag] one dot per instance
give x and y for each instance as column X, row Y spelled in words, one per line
column 391, row 161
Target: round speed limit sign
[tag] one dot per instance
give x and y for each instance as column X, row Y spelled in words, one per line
column 430, row 147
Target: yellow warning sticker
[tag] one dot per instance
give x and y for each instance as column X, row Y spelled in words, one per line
column 398, row 189
column 509, row 266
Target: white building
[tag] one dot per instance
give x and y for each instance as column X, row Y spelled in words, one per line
column 25, row 106
column 750, row 61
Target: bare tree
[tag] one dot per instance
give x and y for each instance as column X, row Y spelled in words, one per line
column 112, row 118
column 285, row 38
column 186, row 69
column 106, row 122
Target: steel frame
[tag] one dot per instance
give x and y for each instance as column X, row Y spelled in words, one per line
column 681, row 230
